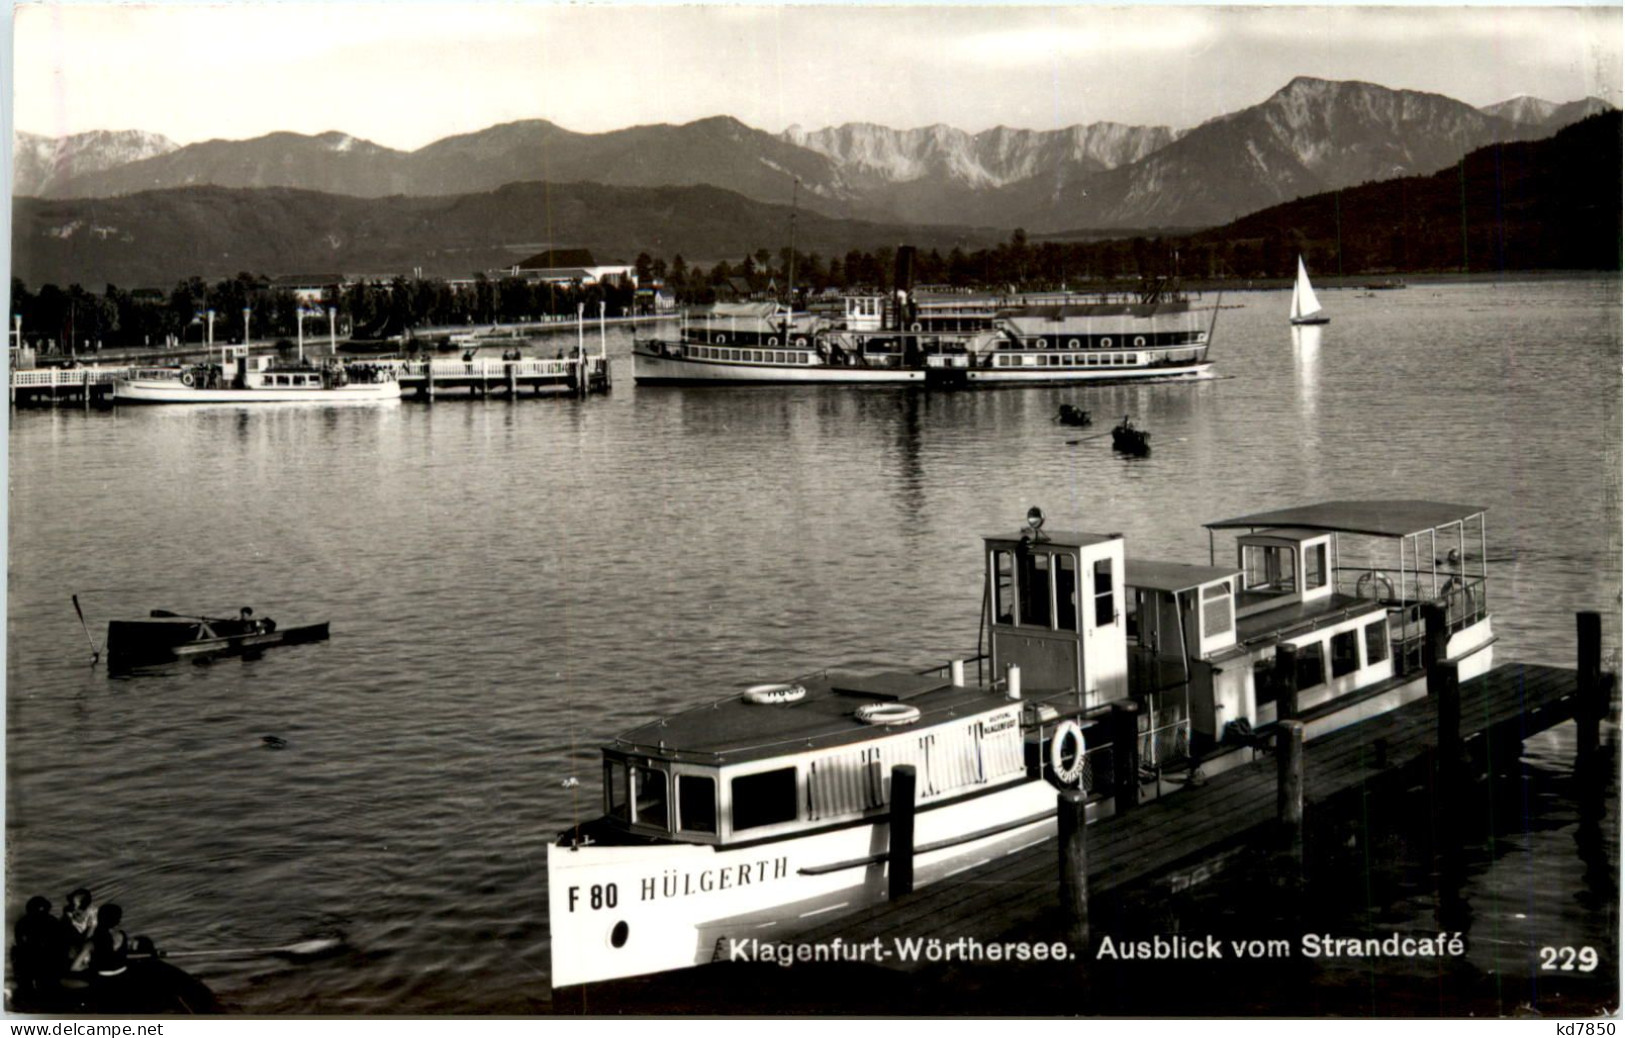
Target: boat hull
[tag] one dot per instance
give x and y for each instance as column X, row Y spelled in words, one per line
column 1024, row 369
column 166, row 391
column 127, row 648
column 627, row 910
column 673, row 905
column 1311, row 320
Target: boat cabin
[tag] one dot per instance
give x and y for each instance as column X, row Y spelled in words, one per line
column 1200, row 656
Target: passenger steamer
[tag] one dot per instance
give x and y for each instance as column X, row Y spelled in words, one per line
column 1154, row 334
column 765, row 812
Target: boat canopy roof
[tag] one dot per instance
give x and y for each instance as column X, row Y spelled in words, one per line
column 1172, row 576
column 1370, row 518
column 764, row 310
column 731, row 730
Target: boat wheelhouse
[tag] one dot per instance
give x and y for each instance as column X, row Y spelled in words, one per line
column 764, row 811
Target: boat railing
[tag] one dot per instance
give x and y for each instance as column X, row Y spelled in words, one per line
column 95, row 376
column 492, row 369
column 1160, row 746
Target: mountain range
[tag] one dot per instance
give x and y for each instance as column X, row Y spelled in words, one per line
column 1312, row 135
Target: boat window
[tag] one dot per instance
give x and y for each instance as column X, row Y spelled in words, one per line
column 619, row 805
column 766, row 798
column 1376, row 642
column 1004, row 598
column 1066, row 593
column 1311, row 665
column 1345, row 653
column 650, row 787
column 1314, row 566
column 1268, row 567
column 1033, row 583
column 697, row 803
column 1217, row 614
column 1105, row 606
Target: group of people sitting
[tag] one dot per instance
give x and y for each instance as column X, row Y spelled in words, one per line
column 83, row 945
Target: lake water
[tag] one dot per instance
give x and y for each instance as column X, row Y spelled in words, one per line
column 511, row 583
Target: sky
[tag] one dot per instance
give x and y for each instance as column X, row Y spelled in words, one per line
column 406, row 75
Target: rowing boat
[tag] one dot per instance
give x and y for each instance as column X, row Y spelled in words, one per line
column 165, row 637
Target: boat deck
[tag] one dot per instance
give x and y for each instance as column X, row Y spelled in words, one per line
column 732, row 730
column 1019, row 893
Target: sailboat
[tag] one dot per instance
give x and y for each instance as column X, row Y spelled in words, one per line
column 1305, row 307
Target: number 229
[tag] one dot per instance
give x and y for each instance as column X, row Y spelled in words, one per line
column 1568, row 959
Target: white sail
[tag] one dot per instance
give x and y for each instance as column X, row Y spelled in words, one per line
column 1304, row 302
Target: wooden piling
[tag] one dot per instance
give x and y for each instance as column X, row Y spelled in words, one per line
column 1444, row 686
column 1289, row 776
column 900, row 852
column 428, row 380
column 1126, row 754
column 513, row 379
column 1435, row 634
column 1588, row 686
column 1286, row 682
column 84, row 383
column 1072, row 840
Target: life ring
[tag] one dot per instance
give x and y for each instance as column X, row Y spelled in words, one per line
column 772, row 340
column 801, row 342
column 721, row 340
column 1139, row 340
column 915, row 327
column 1066, row 773
column 774, row 695
column 1072, row 344
column 1106, row 343
column 1043, row 343
column 187, row 379
column 1373, row 578
column 888, row 714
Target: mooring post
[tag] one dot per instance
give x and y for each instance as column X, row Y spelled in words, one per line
column 1444, row 685
column 1286, row 682
column 513, row 379
column 1435, row 634
column 1588, row 705
column 900, row 853
column 1072, row 823
column 1289, row 775
column 85, row 378
column 1126, row 754
column 428, row 379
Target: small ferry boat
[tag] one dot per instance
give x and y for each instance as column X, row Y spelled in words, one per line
column 166, row 637
column 766, row 811
column 1152, row 334
column 247, row 380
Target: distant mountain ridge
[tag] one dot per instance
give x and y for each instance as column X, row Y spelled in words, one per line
column 42, row 165
column 156, row 238
column 1311, row 135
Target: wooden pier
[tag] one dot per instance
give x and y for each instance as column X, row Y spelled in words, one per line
column 573, row 374
column 1177, row 838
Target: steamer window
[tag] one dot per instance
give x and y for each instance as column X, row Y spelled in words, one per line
column 1034, row 586
column 1376, row 642
column 649, row 785
column 1345, row 653
column 1314, row 566
column 1311, row 665
column 620, row 805
column 1066, row 593
column 1004, row 588
column 1105, row 603
column 766, row 798
column 697, row 803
